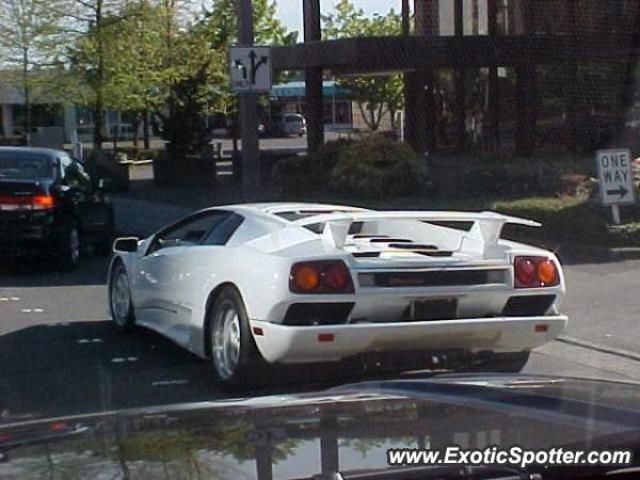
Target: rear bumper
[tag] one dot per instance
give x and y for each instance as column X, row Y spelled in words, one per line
column 286, row 344
column 27, row 241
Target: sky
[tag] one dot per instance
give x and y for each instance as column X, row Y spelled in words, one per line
column 290, row 11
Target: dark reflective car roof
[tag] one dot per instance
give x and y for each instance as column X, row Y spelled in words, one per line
column 239, row 439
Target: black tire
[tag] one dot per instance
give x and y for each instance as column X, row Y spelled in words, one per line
column 69, row 249
column 513, row 362
column 239, row 369
column 123, row 316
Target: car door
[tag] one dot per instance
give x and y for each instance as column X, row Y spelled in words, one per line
column 163, row 270
column 89, row 206
column 204, row 273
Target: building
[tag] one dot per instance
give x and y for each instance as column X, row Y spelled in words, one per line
column 51, row 113
column 290, row 98
column 557, row 72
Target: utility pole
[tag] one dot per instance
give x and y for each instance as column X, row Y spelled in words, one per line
column 248, row 112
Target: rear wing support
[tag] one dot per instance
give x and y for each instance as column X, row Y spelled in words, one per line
column 486, row 229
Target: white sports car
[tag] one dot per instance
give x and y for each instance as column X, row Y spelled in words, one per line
column 298, row 283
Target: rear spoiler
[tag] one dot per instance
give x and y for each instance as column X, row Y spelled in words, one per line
column 487, row 226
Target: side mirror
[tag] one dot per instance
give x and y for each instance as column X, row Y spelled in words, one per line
column 128, row 244
column 104, row 184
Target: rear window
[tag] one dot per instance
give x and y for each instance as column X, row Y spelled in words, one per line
column 25, row 165
column 299, row 215
column 293, row 120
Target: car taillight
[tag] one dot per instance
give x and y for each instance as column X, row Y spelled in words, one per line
column 42, row 202
column 535, row 272
column 326, row 276
column 26, row 202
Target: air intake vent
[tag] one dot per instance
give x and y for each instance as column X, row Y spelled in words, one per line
column 528, row 306
column 308, row 314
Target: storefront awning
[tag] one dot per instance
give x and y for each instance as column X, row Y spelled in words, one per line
column 297, row 89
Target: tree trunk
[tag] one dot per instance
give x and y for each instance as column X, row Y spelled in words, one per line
column 145, row 129
column 394, row 123
column 26, row 95
column 135, row 125
column 475, row 17
column 98, row 121
column 368, row 122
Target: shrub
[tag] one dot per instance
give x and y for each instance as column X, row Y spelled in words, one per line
column 104, row 164
column 569, row 219
column 311, row 173
column 514, row 178
column 378, row 166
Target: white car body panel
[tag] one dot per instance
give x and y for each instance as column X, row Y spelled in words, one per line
column 171, row 287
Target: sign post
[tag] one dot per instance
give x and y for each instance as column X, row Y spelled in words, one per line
column 616, row 179
column 250, row 74
column 247, row 78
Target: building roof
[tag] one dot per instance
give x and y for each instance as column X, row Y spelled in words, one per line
column 297, row 89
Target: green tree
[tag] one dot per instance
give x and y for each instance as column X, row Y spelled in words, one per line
column 137, row 72
column 28, row 32
column 374, row 95
column 199, row 83
column 89, row 57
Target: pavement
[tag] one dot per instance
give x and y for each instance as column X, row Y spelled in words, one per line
column 61, row 354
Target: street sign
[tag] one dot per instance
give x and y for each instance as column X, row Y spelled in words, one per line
column 616, row 176
column 250, row 69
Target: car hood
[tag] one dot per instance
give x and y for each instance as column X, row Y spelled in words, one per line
column 346, row 428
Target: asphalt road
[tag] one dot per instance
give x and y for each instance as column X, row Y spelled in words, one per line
column 61, row 355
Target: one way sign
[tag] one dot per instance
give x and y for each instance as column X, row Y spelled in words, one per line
column 616, row 176
column 250, row 69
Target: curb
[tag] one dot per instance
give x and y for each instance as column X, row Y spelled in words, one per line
column 135, row 163
column 620, row 352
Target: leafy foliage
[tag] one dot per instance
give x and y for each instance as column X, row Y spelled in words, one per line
column 305, row 174
column 199, row 81
column 374, row 94
column 28, row 34
column 378, row 166
column 369, row 168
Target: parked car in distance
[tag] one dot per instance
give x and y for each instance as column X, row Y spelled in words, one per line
column 287, row 124
column 222, row 127
column 50, row 207
column 252, row 285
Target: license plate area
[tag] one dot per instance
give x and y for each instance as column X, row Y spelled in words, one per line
column 434, row 309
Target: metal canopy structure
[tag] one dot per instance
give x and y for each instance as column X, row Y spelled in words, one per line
column 521, row 35
column 298, row 89
column 402, row 54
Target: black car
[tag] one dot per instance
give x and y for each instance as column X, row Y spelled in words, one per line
column 49, row 206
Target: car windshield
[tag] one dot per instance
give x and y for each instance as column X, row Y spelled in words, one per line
column 17, row 165
column 413, row 223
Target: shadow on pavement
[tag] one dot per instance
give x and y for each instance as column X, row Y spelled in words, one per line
column 38, row 273
column 85, row 367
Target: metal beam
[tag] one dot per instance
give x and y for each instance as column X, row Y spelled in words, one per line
column 494, row 87
column 248, row 112
column 459, row 75
column 313, row 79
column 406, row 18
column 402, row 53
